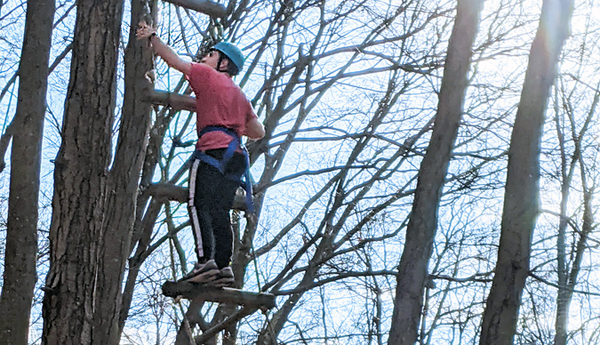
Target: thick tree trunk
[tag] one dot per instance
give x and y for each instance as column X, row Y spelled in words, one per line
column 521, row 196
column 420, row 234
column 21, row 234
column 73, row 291
column 124, row 178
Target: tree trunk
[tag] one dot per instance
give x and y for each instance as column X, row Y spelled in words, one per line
column 565, row 290
column 73, row 286
column 420, row 234
column 521, row 196
column 562, row 305
column 21, row 233
column 124, row 178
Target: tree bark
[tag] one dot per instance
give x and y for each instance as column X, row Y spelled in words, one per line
column 565, row 292
column 567, row 280
column 73, row 286
column 420, row 233
column 522, row 192
column 21, row 233
column 124, row 178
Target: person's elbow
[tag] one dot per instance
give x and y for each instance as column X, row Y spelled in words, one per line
column 255, row 130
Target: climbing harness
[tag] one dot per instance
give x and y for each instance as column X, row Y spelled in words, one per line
column 244, row 178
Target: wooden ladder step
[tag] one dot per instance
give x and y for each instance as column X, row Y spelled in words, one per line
column 191, row 291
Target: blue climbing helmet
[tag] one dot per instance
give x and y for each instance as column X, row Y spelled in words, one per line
column 232, row 52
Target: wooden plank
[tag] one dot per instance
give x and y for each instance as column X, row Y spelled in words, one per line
column 172, row 192
column 220, row 295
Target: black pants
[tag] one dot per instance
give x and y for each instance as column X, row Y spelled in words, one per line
column 211, row 198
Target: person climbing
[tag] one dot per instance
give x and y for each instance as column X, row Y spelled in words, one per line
column 223, row 115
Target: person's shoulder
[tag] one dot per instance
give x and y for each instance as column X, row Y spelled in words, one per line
column 203, row 74
column 198, row 67
column 238, row 90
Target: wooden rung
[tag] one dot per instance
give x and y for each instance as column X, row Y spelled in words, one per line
column 221, row 295
column 169, row 191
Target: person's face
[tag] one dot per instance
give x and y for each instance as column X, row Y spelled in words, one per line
column 211, row 59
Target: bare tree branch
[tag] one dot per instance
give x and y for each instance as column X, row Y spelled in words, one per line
column 207, row 7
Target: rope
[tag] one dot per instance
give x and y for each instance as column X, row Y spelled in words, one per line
column 255, row 266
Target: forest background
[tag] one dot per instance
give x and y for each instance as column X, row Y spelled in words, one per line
column 423, row 160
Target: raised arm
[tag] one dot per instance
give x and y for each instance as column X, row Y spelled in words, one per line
column 145, row 31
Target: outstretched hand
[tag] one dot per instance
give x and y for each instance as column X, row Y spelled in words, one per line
column 144, row 31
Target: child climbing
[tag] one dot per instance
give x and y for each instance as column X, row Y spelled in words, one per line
column 223, row 115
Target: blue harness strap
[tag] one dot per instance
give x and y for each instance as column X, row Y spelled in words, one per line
column 244, row 178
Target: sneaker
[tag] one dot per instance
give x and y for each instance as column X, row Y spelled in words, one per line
column 202, row 273
column 224, row 279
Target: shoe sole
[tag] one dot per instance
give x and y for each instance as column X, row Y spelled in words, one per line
column 203, row 278
column 219, row 283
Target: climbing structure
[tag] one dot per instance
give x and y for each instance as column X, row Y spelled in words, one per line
column 238, row 303
column 246, row 303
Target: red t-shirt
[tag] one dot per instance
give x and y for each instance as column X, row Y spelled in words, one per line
column 219, row 102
